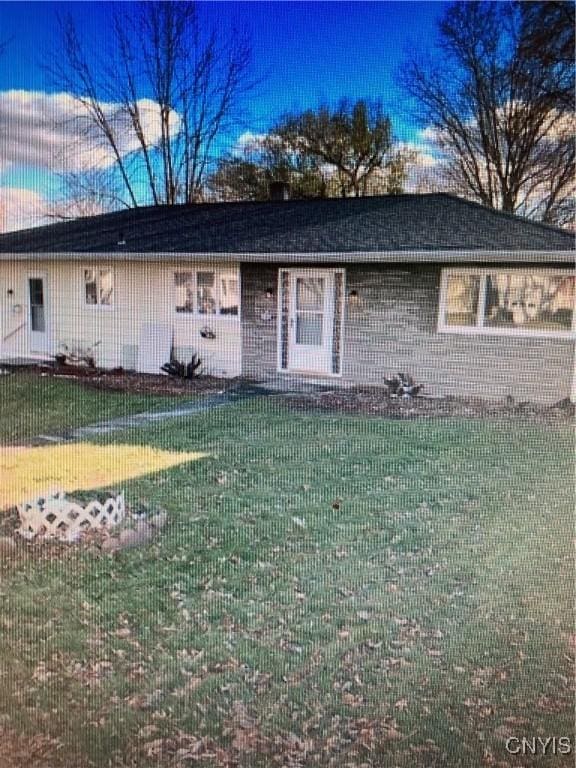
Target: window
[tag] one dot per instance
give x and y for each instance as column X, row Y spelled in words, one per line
column 514, row 301
column 99, row 287
column 229, row 295
column 206, row 292
column 36, row 290
column 184, row 282
column 462, row 293
column 537, row 302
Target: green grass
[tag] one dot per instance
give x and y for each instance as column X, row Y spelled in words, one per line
column 347, row 591
column 31, row 405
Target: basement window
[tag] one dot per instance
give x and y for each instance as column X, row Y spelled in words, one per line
column 99, row 287
column 507, row 302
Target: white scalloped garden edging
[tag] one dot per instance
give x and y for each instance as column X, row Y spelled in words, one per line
column 53, row 516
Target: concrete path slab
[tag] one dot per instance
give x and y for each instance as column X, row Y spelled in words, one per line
column 200, row 405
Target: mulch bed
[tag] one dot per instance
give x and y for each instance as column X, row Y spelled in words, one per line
column 118, row 380
column 373, row 401
column 376, row 402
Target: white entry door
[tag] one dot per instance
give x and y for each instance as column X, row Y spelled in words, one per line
column 311, row 320
column 38, row 338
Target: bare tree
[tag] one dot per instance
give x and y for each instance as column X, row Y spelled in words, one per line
column 86, row 192
column 548, row 41
column 162, row 97
column 494, row 115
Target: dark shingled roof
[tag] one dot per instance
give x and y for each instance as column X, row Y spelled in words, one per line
column 421, row 223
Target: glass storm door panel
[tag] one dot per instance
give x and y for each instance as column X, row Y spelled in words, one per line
column 311, row 321
column 37, row 326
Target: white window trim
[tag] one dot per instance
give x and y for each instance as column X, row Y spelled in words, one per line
column 480, row 329
column 218, row 274
column 98, row 307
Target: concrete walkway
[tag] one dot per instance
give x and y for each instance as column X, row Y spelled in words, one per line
column 201, row 405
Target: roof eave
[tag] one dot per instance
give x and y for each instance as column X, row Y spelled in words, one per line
column 389, row 257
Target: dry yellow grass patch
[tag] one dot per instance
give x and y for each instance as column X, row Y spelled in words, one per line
column 29, row 472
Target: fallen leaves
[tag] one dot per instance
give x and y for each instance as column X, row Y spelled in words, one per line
column 36, row 750
column 92, row 673
column 246, row 736
column 8, row 548
column 352, row 700
column 179, row 748
column 485, row 676
column 480, row 707
column 551, row 705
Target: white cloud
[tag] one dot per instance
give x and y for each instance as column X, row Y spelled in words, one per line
column 21, row 208
column 249, row 141
column 428, row 135
column 51, row 131
column 422, row 154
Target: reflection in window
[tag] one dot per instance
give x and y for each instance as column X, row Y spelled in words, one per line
column 462, row 293
column 106, row 287
column 309, row 328
column 309, row 293
column 537, row 302
column 99, row 287
column 513, row 300
column 206, row 293
column 91, row 290
column 229, row 295
column 184, row 286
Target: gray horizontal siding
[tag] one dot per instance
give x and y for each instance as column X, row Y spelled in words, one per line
column 392, row 328
column 259, row 319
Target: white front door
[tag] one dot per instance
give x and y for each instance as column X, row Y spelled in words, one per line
column 311, row 320
column 38, row 339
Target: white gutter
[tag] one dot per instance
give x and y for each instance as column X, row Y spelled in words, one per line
column 360, row 257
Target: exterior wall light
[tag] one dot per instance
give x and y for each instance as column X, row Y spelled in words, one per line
column 353, row 297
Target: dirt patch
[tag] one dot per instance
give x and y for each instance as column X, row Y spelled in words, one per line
column 375, row 402
column 118, row 380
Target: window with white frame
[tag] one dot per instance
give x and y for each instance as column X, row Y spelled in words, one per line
column 99, row 287
column 207, row 292
column 507, row 301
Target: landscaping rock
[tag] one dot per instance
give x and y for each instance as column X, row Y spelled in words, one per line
column 158, row 521
column 144, row 530
column 136, row 537
column 110, row 545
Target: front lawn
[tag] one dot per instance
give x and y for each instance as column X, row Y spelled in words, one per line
column 329, row 591
column 31, row 404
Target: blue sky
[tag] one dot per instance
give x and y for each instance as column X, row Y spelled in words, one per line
column 304, row 52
